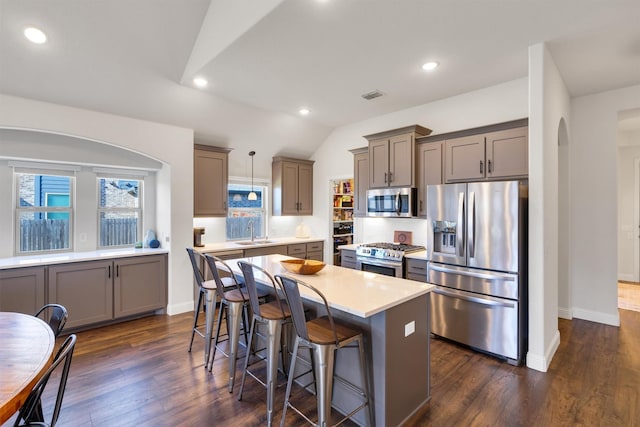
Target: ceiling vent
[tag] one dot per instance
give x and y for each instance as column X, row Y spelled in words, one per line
column 372, row 95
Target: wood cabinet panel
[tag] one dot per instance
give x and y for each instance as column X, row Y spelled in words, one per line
column 292, row 182
column 139, row 285
column 85, row 289
column 361, row 177
column 507, row 153
column 210, row 177
column 266, row 250
column 297, row 250
column 416, row 269
column 378, row 163
column 348, row 258
column 22, row 290
column 429, row 166
column 465, row 158
column 402, row 161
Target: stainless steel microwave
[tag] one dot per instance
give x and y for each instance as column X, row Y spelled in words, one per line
column 392, row 202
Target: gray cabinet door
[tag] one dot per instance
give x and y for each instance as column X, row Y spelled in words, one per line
column 379, row 163
column 305, row 189
column 266, row 250
column 464, row 158
column 361, row 175
column 508, row 153
column 401, row 161
column 22, row 289
column 289, row 188
column 429, row 165
column 85, row 289
column 139, row 285
column 210, row 177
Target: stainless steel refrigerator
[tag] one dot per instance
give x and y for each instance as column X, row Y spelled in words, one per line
column 477, row 258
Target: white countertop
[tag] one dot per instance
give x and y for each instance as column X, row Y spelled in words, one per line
column 61, row 258
column 360, row 293
column 258, row 243
column 422, row 255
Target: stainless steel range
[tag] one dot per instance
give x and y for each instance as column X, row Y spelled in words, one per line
column 384, row 258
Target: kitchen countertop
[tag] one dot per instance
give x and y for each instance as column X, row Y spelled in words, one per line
column 360, row 293
column 258, row 243
column 66, row 257
column 421, row 255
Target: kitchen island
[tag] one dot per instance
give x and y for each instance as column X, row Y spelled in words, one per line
column 394, row 315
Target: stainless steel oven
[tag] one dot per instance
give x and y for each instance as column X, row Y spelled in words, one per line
column 388, row 268
column 384, row 258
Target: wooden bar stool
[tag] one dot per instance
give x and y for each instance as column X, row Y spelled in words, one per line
column 275, row 315
column 323, row 336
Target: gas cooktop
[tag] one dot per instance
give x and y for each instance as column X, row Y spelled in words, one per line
column 387, row 251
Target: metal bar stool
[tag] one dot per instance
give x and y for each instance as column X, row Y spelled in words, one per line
column 236, row 301
column 206, row 292
column 274, row 315
column 323, row 336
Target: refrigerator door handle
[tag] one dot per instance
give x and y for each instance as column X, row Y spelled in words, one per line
column 460, row 225
column 473, row 299
column 494, row 276
column 471, row 226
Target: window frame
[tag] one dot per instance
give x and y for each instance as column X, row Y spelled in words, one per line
column 45, row 210
column 265, row 185
column 139, row 209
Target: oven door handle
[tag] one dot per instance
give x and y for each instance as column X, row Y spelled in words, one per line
column 476, row 300
column 493, row 276
column 379, row 262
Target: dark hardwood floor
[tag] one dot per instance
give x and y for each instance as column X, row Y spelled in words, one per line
column 139, row 373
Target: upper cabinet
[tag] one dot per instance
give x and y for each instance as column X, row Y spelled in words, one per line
column 361, row 177
column 292, row 186
column 210, row 176
column 392, row 157
column 487, row 155
column 429, row 165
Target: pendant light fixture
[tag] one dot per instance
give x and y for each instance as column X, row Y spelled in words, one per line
column 252, row 195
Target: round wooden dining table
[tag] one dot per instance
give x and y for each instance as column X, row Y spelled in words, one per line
column 26, row 351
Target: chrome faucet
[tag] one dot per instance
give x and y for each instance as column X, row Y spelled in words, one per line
column 250, row 226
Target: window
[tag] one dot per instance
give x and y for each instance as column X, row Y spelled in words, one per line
column 119, row 211
column 44, row 211
column 242, row 211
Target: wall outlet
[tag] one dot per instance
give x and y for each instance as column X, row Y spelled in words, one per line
column 166, row 239
column 409, row 328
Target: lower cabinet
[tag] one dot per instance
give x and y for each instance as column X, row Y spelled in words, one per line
column 348, row 258
column 266, row 250
column 100, row 291
column 313, row 250
column 416, row 269
column 22, row 289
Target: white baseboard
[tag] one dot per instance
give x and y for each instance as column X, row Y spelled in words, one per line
column 541, row 362
column 597, row 316
column 565, row 313
column 626, row 277
column 183, row 307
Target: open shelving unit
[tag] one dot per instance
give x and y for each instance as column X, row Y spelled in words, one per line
column 342, row 190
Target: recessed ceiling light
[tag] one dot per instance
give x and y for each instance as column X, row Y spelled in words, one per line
column 430, row 66
column 304, row 111
column 200, row 82
column 35, row 35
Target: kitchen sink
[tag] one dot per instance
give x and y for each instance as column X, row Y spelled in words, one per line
column 255, row 242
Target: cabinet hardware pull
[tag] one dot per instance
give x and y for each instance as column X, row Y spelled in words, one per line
column 109, row 272
column 420, row 205
column 489, row 166
column 118, row 270
column 385, row 177
column 390, row 177
column 481, row 166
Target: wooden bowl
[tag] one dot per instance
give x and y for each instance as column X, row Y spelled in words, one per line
column 302, row 266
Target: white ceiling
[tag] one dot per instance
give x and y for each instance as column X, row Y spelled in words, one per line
column 138, row 57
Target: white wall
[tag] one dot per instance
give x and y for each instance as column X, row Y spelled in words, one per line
column 504, row 102
column 173, row 146
column 628, row 156
column 549, row 104
column 594, row 176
